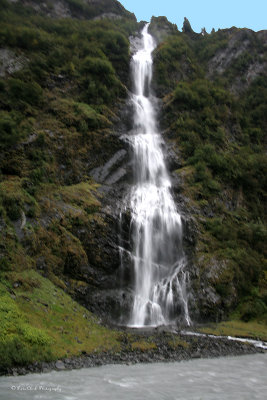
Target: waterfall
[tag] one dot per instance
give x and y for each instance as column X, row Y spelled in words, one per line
column 157, row 257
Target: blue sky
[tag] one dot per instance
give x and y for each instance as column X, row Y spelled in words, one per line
column 204, row 13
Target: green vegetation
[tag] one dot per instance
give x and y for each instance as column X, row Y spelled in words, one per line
column 39, row 322
column 252, row 329
column 14, row 198
column 143, row 345
column 221, row 139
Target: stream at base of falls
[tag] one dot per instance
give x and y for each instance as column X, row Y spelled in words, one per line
column 227, row 378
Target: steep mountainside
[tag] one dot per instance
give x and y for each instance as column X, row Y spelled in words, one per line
column 214, row 96
column 64, row 77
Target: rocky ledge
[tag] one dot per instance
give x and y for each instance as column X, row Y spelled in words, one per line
column 147, row 346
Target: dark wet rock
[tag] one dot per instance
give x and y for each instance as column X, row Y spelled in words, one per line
column 172, row 157
column 113, row 305
column 59, row 365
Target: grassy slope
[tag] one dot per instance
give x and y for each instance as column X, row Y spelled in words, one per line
column 234, row 327
column 39, row 321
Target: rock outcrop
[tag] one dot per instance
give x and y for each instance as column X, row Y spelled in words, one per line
column 245, row 49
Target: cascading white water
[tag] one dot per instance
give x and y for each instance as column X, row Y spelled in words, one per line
column 160, row 279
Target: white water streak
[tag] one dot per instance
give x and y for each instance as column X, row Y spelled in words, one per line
column 257, row 343
column 159, row 262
